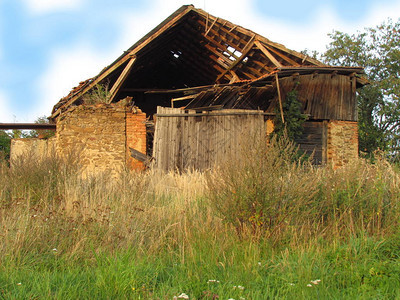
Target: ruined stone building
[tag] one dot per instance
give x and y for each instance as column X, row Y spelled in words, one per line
column 188, row 91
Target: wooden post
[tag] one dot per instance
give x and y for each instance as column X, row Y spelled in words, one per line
column 279, row 97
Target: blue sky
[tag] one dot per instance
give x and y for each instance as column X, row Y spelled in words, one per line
column 48, row 46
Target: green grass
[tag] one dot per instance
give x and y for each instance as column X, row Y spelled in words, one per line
column 270, row 225
column 360, row 269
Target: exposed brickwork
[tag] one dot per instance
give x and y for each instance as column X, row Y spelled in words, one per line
column 342, row 145
column 135, row 137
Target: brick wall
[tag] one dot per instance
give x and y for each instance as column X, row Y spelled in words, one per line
column 135, row 137
column 342, row 144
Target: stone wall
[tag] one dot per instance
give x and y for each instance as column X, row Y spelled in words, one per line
column 32, row 148
column 97, row 135
column 342, row 143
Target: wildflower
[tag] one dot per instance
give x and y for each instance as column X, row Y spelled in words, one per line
column 259, row 263
column 292, row 284
column 183, row 296
column 240, row 287
column 19, row 283
column 55, row 250
column 213, row 281
column 316, row 281
column 309, row 285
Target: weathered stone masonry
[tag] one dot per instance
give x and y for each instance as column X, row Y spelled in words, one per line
column 97, row 136
column 101, row 136
column 342, row 142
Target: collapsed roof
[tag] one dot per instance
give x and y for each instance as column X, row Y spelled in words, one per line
column 192, row 48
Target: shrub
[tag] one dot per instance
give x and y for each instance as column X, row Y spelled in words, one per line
column 274, row 194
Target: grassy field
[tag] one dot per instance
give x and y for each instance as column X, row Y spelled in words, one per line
column 263, row 227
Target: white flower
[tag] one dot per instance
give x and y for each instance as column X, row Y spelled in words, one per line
column 292, row 284
column 316, row 281
column 259, row 263
column 213, row 280
column 19, row 283
column 55, row 250
column 183, row 296
column 240, row 287
column 309, row 285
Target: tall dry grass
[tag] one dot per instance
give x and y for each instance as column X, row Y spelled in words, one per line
column 272, row 192
column 47, row 205
column 267, row 194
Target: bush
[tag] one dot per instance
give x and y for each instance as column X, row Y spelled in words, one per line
column 270, row 192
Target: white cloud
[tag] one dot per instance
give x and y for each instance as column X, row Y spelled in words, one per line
column 45, row 6
column 68, row 67
column 6, row 115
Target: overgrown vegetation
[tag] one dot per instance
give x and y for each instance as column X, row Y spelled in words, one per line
column 378, row 51
column 262, row 226
column 99, row 94
column 292, row 125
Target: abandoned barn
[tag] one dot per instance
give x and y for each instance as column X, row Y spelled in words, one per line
column 189, row 91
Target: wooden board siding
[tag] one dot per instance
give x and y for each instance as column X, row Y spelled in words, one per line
column 323, row 96
column 313, row 141
column 200, row 142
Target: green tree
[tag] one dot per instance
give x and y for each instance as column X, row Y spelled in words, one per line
column 44, row 133
column 378, row 51
column 5, row 144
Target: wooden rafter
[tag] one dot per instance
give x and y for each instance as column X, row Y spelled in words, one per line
column 227, row 33
column 123, row 59
column 218, row 54
column 122, row 77
column 265, row 40
column 208, row 30
column 245, row 51
column 268, row 54
column 222, row 47
column 223, row 39
column 284, row 57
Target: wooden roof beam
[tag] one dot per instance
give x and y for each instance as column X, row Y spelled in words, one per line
column 278, row 46
column 246, row 50
column 195, row 62
column 215, row 32
column 208, row 30
column 122, row 77
column 120, row 61
column 223, row 47
column 218, row 54
column 284, row 57
column 268, row 54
